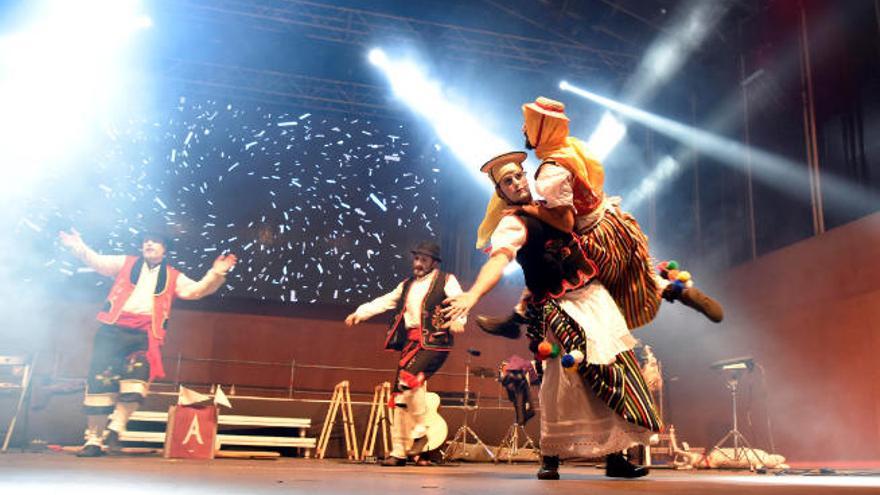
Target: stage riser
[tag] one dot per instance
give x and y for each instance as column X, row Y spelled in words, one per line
column 61, row 420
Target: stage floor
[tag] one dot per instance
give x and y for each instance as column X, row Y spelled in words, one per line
column 59, row 473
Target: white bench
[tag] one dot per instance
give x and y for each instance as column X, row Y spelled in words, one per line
column 299, row 424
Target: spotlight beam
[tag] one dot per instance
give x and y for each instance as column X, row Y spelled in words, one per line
column 466, row 136
column 777, row 171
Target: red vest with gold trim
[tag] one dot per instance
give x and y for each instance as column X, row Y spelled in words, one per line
column 123, row 286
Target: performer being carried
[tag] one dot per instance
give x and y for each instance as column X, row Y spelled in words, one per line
column 593, row 398
column 126, row 355
column 571, row 182
column 423, row 337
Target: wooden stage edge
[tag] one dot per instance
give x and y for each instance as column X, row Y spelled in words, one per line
column 59, row 472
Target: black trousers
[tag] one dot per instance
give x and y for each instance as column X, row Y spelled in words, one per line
column 118, row 354
column 516, row 383
column 415, row 360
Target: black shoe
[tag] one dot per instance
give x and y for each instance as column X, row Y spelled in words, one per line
column 418, row 445
column 114, row 445
column 508, row 327
column 616, row 466
column 549, row 468
column 529, row 414
column 393, row 461
column 90, row 450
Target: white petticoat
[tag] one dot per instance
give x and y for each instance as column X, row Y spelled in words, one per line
column 575, row 422
column 593, row 308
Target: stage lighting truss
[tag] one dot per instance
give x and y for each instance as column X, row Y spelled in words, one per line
column 362, row 27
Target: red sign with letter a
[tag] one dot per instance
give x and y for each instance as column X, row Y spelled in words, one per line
column 191, row 433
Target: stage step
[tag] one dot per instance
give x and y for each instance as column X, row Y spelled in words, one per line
column 232, row 420
column 241, row 440
column 301, row 425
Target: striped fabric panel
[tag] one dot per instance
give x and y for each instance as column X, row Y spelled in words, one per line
column 619, row 384
column 620, row 250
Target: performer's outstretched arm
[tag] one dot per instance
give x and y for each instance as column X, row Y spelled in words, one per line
column 452, row 289
column 379, row 305
column 107, row 265
column 508, row 237
column 188, row 288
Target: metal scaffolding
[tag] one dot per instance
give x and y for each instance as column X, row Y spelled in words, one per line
column 361, row 27
column 272, row 87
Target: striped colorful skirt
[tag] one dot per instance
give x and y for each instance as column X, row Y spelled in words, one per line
column 620, row 250
column 619, row 384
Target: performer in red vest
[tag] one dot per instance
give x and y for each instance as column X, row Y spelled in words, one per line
column 424, row 339
column 126, row 355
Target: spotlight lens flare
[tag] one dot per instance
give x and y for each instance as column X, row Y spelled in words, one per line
column 377, row 57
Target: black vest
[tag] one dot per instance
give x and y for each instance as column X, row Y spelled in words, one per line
column 552, row 260
column 433, row 337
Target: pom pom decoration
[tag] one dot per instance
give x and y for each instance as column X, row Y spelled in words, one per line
column 567, row 361
column 670, row 270
column 556, row 350
column 577, row 355
column 544, row 350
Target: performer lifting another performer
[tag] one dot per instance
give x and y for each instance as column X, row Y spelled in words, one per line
column 423, row 337
column 126, row 355
column 571, row 182
column 593, row 398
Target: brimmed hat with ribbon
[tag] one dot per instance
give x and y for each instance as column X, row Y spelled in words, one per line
column 496, row 168
column 548, row 107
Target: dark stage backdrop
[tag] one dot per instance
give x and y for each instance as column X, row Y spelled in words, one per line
column 319, row 208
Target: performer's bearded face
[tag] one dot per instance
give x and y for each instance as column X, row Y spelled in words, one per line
column 153, row 251
column 515, row 188
column 423, row 265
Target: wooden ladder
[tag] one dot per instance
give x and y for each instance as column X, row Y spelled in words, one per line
column 380, row 421
column 341, row 398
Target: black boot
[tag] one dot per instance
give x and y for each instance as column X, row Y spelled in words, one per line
column 90, row 450
column 616, row 466
column 549, row 468
column 694, row 298
column 508, row 327
column 391, row 461
column 114, row 445
column 418, row 445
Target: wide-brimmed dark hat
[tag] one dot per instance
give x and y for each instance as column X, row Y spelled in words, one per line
column 428, row 248
column 157, row 235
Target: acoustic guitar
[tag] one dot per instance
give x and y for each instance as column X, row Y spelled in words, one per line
column 437, row 428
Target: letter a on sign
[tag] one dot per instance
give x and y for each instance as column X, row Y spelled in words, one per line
column 191, row 432
column 194, row 431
